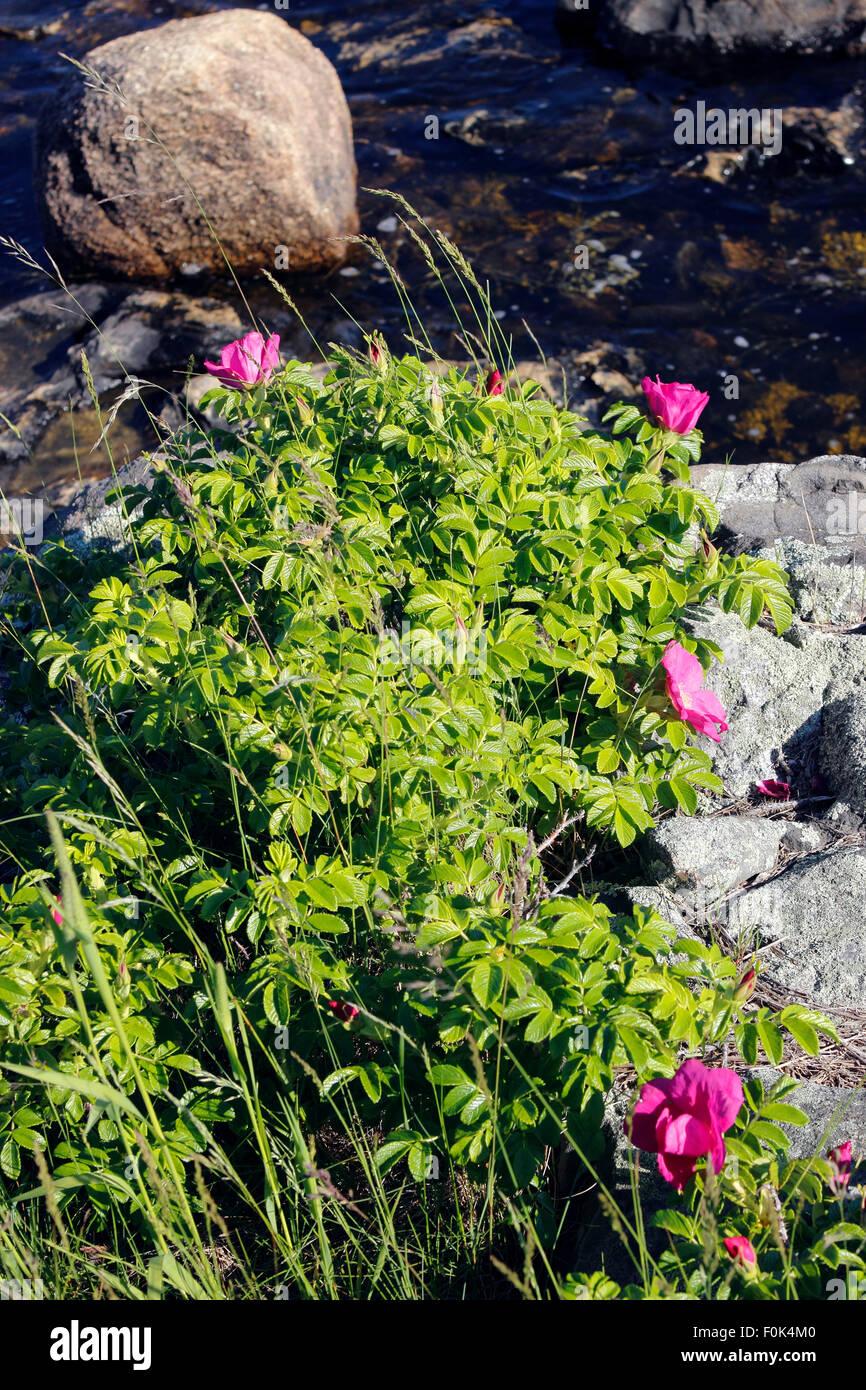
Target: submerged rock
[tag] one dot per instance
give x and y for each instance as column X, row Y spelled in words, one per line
column 674, row 31
column 226, row 136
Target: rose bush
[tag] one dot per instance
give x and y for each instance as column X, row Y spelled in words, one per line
column 341, row 848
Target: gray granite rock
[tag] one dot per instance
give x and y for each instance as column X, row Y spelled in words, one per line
column 90, row 521
column 843, row 750
column 809, row 920
column 810, row 517
column 821, row 500
column 835, row 1114
column 803, row 837
column 720, row 852
column 774, row 692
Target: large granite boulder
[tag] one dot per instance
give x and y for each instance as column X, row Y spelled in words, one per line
column 223, row 136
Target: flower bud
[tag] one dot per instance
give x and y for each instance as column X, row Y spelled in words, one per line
column 343, row 1010
column 842, row 1161
column 493, row 384
column 741, row 1251
column 745, row 986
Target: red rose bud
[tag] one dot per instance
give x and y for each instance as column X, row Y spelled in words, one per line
column 745, row 987
column 842, row 1161
column 343, row 1010
column 740, row 1249
column 378, row 354
column 56, row 913
column 493, row 385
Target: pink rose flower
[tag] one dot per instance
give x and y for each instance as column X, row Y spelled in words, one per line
column 343, row 1010
column 696, row 706
column 770, row 787
column 741, row 1250
column 247, row 361
column 674, row 405
column 842, row 1161
column 493, row 384
column 684, row 1117
column 56, row 913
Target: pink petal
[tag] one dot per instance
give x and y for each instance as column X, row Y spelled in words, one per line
column 770, row 787
column 676, row 1169
column 640, row 1126
column 687, row 1135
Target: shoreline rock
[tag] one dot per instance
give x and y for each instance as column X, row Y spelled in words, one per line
column 194, row 150
column 714, row 32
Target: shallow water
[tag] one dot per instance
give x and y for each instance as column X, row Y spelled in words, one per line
column 541, row 150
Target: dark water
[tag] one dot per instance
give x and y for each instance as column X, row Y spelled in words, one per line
column 542, row 150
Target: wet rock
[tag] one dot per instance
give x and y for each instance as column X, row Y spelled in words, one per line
column 806, row 911
column 701, row 31
column 157, row 331
column 36, row 378
column 482, row 127
column 815, row 141
column 265, row 145
column 445, row 58
column 719, row 852
column 140, row 333
column 819, row 136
